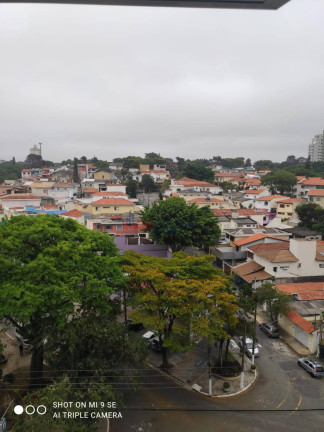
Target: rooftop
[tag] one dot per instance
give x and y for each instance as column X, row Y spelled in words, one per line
column 307, row 326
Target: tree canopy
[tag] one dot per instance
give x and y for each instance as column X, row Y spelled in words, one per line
column 197, row 170
column 180, row 297
column 311, row 216
column 50, row 269
column 280, row 181
column 178, row 224
column 278, row 303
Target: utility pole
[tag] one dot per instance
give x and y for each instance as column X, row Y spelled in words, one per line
column 210, row 390
column 243, row 354
column 254, row 324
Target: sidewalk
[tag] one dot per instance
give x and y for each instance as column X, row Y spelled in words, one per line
column 191, row 370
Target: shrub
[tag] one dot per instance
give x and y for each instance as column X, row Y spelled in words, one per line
column 226, row 385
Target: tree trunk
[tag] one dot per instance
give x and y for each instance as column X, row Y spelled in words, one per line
column 221, row 343
column 36, row 367
column 165, row 364
column 226, row 350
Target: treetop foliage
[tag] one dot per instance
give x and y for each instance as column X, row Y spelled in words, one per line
column 178, row 224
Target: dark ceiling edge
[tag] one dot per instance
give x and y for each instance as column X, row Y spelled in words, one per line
column 212, row 4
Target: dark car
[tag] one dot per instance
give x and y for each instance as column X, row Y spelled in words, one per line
column 3, row 360
column 312, row 367
column 269, row 329
column 134, row 326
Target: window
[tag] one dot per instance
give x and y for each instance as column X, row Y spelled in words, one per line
column 321, row 266
column 107, row 227
column 299, row 265
column 116, row 208
column 119, row 227
column 274, row 269
column 98, row 226
column 97, row 208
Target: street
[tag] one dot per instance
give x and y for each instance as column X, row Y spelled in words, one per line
column 284, row 398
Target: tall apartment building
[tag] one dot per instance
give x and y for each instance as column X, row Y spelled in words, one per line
column 316, row 148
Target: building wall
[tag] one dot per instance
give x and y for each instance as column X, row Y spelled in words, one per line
column 109, row 209
column 319, row 200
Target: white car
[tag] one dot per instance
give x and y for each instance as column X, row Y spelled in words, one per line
column 249, row 347
column 149, row 335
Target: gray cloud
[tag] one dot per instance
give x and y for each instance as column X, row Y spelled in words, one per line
column 113, row 81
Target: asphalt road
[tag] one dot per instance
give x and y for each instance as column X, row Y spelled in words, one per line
column 284, row 398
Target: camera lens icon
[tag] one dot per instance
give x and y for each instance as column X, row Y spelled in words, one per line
column 30, row 409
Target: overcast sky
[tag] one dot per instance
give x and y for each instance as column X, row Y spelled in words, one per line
column 116, row 81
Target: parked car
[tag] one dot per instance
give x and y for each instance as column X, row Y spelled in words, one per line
column 133, row 326
column 269, row 329
column 149, row 335
column 312, row 367
column 249, row 347
column 3, row 360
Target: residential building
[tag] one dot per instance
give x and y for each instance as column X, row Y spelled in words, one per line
column 213, row 203
column 240, row 233
column 251, row 273
column 117, row 225
column 20, row 200
column 316, row 196
column 268, row 202
column 303, row 320
column 110, row 206
column 77, row 215
column 197, row 185
column 252, row 194
column 316, row 148
column 306, row 184
column 235, row 178
column 41, row 188
column 296, row 259
column 286, row 208
column 303, row 233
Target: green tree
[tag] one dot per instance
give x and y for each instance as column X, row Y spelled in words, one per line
column 197, row 171
column 50, row 269
column 280, row 181
column 10, row 171
column 178, row 224
column 131, row 188
column 278, row 303
column 180, row 298
column 148, row 184
column 311, row 216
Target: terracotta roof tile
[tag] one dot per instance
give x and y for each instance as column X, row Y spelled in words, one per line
column 312, row 181
column 307, row 326
column 113, row 201
column 316, row 192
column 301, row 287
column 108, row 194
column 256, row 237
column 73, row 214
column 247, row 268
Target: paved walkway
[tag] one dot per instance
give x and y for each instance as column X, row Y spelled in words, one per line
column 191, row 370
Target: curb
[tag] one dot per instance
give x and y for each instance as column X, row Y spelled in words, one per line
column 189, row 387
